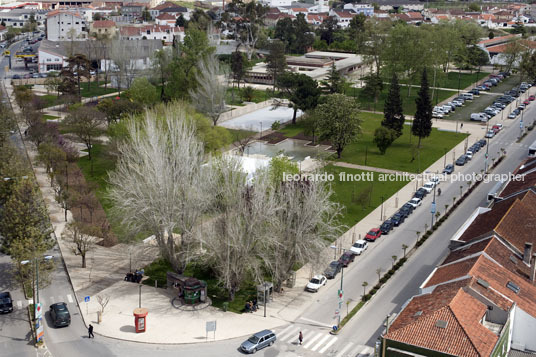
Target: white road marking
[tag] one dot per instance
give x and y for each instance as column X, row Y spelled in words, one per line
column 277, row 333
column 332, row 341
column 19, row 304
column 30, row 301
column 70, row 299
column 312, row 339
column 324, row 339
column 346, row 348
column 289, row 333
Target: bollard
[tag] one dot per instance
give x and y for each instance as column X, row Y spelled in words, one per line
column 156, row 283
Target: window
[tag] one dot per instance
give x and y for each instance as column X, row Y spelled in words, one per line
column 49, row 59
column 77, row 23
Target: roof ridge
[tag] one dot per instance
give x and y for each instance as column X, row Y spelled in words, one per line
column 459, row 323
column 505, row 214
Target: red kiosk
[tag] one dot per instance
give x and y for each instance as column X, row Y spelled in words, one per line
column 140, row 314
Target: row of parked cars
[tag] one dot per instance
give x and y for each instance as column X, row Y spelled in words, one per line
column 439, row 111
column 462, row 160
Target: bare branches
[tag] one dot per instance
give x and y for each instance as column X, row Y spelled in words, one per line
column 209, row 96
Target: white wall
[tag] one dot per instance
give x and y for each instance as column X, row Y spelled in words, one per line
column 523, row 329
column 46, row 58
column 59, row 27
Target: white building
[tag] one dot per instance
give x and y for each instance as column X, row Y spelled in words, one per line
column 17, row 18
column 277, row 3
column 65, row 25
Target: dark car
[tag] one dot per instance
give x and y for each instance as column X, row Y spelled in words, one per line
column 461, row 160
column 60, row 314
column 448, row 169
column 333, row 269
column 398, row 219
column 475, row 148
column 474, row 91
column 386, row 226
column 16, row 76
column 6, row 303
column 421, row 193
column 346, row 258
column 407, row 209
column 482, row 142
column 258, row 341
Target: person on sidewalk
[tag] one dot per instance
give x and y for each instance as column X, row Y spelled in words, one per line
column 90, row 331
column 300, row 337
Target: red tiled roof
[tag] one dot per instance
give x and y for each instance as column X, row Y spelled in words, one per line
column 103, row 24
column 414, row 15
column 164, row 5
column 345, row 14
column 514, row 227
column 166, row 16
column 463, row 334
column 452, row 271
column 497, row 39
column 129, row 31
column 56, row 12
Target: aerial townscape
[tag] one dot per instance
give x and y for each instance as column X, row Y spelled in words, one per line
column 273, row 177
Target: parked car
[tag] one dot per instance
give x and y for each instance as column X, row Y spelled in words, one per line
column 359, row 247
column 59, row 313
column 448, row 169
column 333, row 269
column 461, row 160
column 316, row 283
column 497, row 127
column 512, row 115
column 397, row 219
column 475, row 148
column 258, row 341
column 36, row 75
column 479, row 117
column 16, row 76
column 521, row 107
column 421, row 193
column 437, row 115
column 490, row 134
column 6, row 303
column 346, row 258
column 373, row 234
column 531, row 98
column 468, row 155
column 482, row 142
column 526, row 102
column 386, row 226
column 415, row 202
column 406, row 209
column 429, row 186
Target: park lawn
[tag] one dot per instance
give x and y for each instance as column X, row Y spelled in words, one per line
column 95, row 89
column 239, row 134
column 50, row 100
column 49, row 117
column 157, row 271
column 408, row 103
column 290, row 130
column 450, row 80
column 359, row 198
column 399, row 155
column 258, row 95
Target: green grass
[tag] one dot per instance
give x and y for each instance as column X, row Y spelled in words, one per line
column 399, row 156
column 95, row 89
column 408, row 103
column 449, row 80
column 157, row 271
column 258, row 95
column 239, row 134
column 291, row 130
column 49, row 117
column 359, row 198
column 50, row 100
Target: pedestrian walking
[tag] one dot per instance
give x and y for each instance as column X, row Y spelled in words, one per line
column 300, row 337
column 461, row 125
column 90, row 331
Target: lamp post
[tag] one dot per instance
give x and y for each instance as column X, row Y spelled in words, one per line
column 433, row 208
column 265, row 302
column 340, row 294
column 381, row 210
column 445, row 159
column 334, row 247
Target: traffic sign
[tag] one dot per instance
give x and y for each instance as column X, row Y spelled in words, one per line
column 210, row 326
column 337, row 312
column 38, row 311
column 521, row 124
column 86, row 299
column 340, row 293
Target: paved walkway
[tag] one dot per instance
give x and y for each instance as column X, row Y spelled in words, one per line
column 367, row 168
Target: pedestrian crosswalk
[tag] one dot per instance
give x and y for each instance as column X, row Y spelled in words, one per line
column 22, row 304
column 320, row 341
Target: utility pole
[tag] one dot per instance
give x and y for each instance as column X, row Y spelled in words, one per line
column 433, row 209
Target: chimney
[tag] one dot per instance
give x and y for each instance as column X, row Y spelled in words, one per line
column 527, row 253
column 533, row 268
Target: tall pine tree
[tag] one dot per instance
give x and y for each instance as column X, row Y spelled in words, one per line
column 422, row 122
column 392, row 109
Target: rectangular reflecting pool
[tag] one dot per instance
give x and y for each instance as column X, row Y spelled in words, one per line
column 297, row 150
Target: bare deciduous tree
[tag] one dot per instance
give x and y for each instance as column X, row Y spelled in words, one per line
column 236, row 235
column 209, row 96
column 305, row 221
column 103, row 301
column 81, row 238
column 160, row 184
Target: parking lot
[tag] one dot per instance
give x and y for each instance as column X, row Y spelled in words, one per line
column 485, row 99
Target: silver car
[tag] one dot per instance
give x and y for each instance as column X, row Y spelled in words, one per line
column 258, row 341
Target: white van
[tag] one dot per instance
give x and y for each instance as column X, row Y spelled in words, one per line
column 479, row 117
column 468, row 96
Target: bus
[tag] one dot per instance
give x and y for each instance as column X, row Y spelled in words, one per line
column 532, row 150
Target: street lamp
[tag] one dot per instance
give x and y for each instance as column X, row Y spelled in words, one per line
column 433, row 208
column 381, row 210
column 340, row 294
column 334, row 247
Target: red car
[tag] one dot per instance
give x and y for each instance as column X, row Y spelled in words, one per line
column 526, row 102
column 373, row 234
column 496, row 128
column 531, row 98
